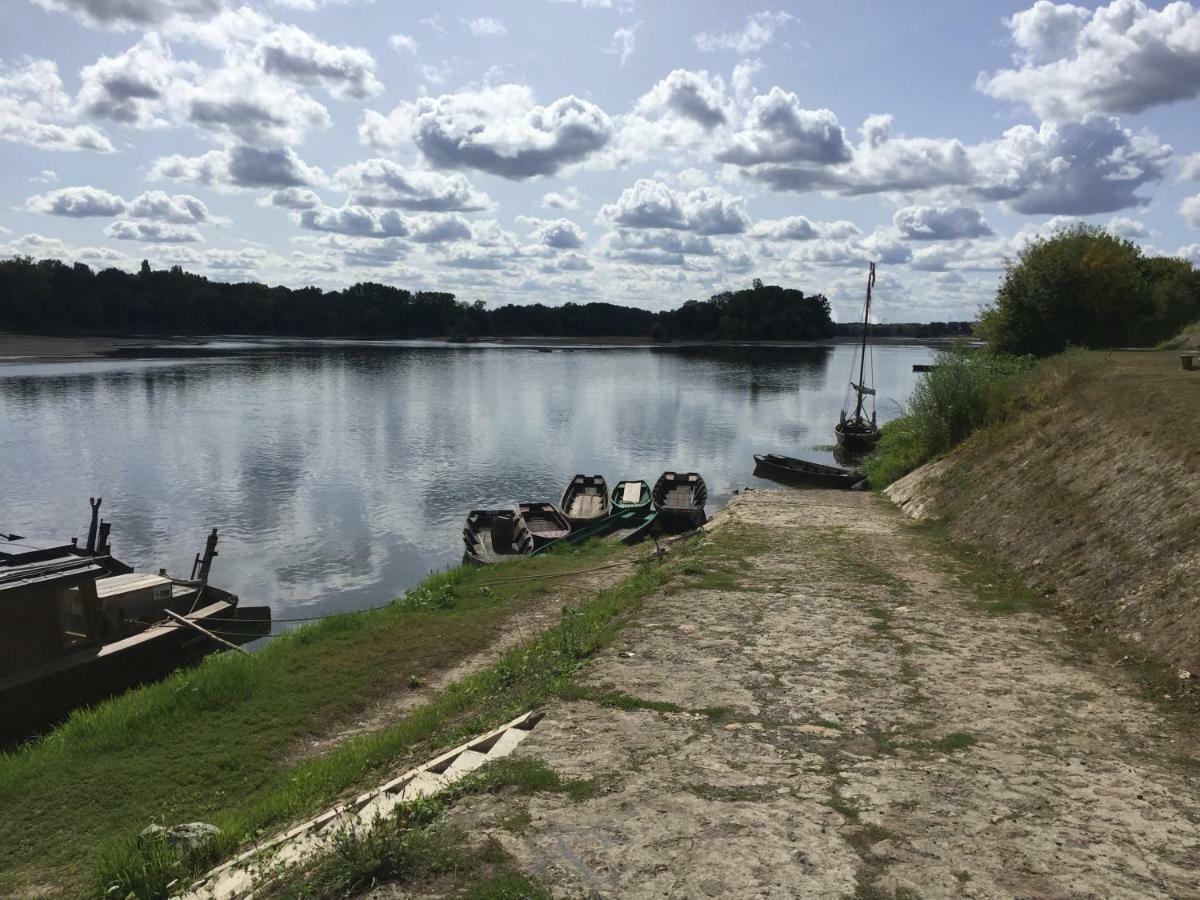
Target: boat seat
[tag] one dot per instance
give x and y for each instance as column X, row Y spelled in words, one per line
column 679, row 498
column 504, row 530
column 585, row 506
column 632, row 493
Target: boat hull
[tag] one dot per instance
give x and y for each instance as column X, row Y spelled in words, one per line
column 644, row 501
column 545, row 522
column 39, row 698
column 628, row 526
column 857, row 439
column 585, row 500
column 480, row 540
column 680, row 498
column 788, row 470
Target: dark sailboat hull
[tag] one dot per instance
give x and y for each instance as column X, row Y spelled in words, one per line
column 800, row 471
column 857, row 438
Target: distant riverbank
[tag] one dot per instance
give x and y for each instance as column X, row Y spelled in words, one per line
column 31, row 348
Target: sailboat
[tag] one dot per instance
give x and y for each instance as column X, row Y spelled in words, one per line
column 855, row 432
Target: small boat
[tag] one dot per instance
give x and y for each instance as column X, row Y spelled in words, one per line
column 627, row 526
column 631, row 495
column 77, row 625
column 800, row 471
column 544, row 521
column 856, row 432
column 680, row 499
column 585, row 500
column 494, row 535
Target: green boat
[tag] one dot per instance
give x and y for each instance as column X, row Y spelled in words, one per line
column 627, row 526
column 631, row 495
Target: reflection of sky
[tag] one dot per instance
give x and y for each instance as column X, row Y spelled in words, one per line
column 339, row 475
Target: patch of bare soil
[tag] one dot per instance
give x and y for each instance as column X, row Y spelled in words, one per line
column 847, row 723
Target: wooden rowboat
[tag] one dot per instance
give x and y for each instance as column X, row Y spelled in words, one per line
column 801, row 471
column 585, row 500
column 680, row 499
column 494, row 535
column 544, row 521
column 627, row 526
column 631, row 495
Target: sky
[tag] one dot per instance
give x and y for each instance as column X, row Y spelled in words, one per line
column 631, row 151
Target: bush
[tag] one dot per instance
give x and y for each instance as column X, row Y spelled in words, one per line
column 966, row 391
column 1088, row 288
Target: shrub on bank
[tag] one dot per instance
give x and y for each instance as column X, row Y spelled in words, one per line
column 966, row 391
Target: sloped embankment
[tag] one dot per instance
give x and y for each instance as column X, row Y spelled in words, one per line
column 1095, row 497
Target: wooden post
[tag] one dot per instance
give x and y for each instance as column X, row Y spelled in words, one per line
column 1188, row 360
column 190, row 624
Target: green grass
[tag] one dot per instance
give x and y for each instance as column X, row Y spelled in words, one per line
column 999, row 589
column 219, row 743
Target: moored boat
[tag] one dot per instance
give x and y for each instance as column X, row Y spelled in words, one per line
column 631, row 495
column 627, row 526
column 789, row 470
column 494, row 535
column 857, row 432
column 78, row 625
column 680, row 498
column 585, row 500
column 545, row 522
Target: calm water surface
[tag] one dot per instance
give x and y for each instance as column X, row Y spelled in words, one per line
column 339, row 474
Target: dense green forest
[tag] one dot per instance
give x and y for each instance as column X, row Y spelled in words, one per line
column 1085, row 287
column 52, row 297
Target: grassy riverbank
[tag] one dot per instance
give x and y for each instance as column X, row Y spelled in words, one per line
column 224, row 743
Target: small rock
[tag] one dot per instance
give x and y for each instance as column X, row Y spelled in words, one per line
column 1184, row 674
column 186, row 836
column 626, row 654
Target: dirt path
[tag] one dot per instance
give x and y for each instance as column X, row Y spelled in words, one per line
column 852, row 729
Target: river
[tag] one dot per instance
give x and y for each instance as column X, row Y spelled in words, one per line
column 339, row 473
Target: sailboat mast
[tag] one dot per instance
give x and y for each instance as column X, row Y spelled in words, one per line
column 862, row 357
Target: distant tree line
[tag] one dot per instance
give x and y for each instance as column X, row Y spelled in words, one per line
column 52, row 297
column 1085, row 287
column 907, row 329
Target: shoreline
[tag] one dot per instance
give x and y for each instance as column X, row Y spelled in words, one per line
column 16, row 349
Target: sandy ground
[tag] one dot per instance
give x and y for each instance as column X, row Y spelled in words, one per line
column 877, row 736
column 27, row 348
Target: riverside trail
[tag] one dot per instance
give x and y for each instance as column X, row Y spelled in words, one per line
column 837, row 713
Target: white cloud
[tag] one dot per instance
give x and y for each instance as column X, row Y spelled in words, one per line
column 1189, row 167
column 181, row 209
column 381, row 182
column 152, row 232
column 1189, row 209
column 292, row 53
column 1121, row 58
column 77, row 203
column 124, row 14
column 683, row 110
column 46, row 176
column 485, row 26
column 802, row 228
column 777, row 129
column 403, row 43
column 624, row 41
column 354, row 220
column 133, row 87
column 499, row 129
column 758, row 31
column 1125, row 227
column 622, row 6
column 1191, row 253
column 940, row 223
column 242, row 104
column 652, row 204
column 655, row 247
column 291, row 198
column 239, row 167
column 33, row 104
column 558, row 234
column 566, row 199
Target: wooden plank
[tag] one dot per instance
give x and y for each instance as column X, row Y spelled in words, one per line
column 633, row 492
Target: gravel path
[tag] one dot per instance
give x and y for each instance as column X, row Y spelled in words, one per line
column 833, row 717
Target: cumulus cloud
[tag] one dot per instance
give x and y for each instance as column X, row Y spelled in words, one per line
column 1189, row 209
column 33, row 107
column 652, row 204
column 1189, row 167
column 381, row 182
column 1121, row 58
column 291, row 198
column 557, row 234
column 567, row 199
column 132, row 13
column 623, row 43
column 131, row 88
column 655, row 247
column 1128, row 228
column 239, row 167
column 181, row 209
column 354, row 220
column 683, row 110
column 152, row 232
column 46, row 176
column 292, row 53
column 438, row 229
column 77, row 203
column 498, row 129
column 485, row 26
column 758, row 31
column 778, row 130
column 802, row 228
column 940, row 223
column 242, row 104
